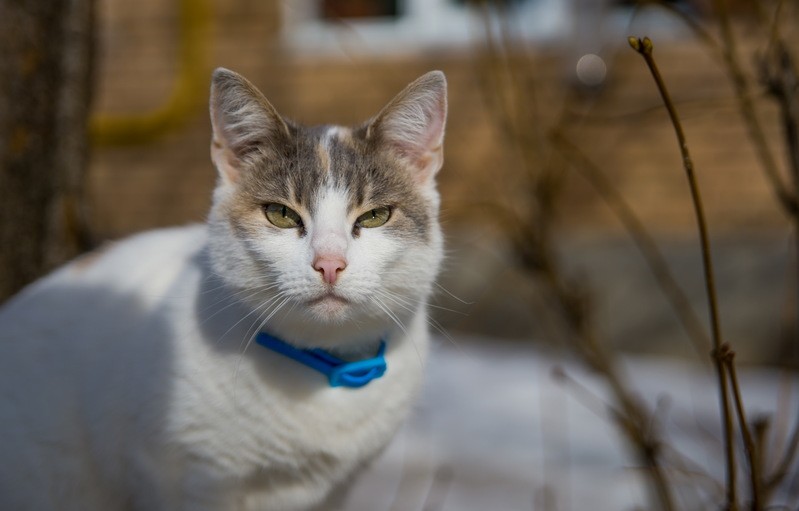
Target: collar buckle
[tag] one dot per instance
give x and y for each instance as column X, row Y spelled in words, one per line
column 340, row 373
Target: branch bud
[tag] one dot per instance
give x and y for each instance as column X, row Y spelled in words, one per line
column 643, row 46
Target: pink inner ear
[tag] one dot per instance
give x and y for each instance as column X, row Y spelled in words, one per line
column 225, row 162
column 435, row 131
column 416, row 130
column 412, row 124
column 243, row 121
column 423, row 148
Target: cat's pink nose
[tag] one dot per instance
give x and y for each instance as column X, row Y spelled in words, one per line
column 329, row 267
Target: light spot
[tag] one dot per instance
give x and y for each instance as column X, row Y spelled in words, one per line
column 591, row 70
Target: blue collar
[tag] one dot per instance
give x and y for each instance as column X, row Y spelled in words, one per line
column 340, row 373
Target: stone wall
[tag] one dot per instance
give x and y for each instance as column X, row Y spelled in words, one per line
column 627, row 132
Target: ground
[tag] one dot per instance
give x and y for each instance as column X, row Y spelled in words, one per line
column 494, row 430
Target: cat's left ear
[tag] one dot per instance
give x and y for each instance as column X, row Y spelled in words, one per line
column 412, row 125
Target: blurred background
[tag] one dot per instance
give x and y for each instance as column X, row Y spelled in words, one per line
column 555, row 126
column 516, row 71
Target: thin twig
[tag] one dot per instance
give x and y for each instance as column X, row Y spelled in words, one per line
column 773, row 23
column 782, row 84
column 646, row 245
column 743, row 97
column 544, row 174
column 644, row 48
column 583, row 394
column 752, row 454
column 785, row 198
column 760, row 428
column 630, row 414
column 784, row 465
column 681, row 462
column 779, row 76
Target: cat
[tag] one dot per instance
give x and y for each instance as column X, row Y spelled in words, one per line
column 132, row 379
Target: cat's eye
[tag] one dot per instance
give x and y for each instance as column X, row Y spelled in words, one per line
column 282, row 216
column 374, row 217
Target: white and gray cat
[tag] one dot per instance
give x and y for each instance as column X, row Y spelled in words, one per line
column 129, row 379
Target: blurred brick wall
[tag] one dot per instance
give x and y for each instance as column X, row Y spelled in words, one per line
column 629, row 135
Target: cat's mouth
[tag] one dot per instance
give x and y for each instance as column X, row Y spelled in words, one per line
column 329, row 306
column 330, row 298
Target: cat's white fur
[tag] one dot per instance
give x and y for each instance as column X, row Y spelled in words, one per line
column 128, row 380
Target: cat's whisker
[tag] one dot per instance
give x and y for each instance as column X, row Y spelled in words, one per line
column 451, row 294
column 236, row 298
column 293, row 306
column 385, row 308
column 208, row 290
column 410, row 301
column 430, row 321
column 269, row 308
column 441, row 330
column 222, row 285
column 399, row 323
column 447, row 309
column 265, row 305
column 249, row 337
column 396, row 299
column 262, row 309
column 437, row 326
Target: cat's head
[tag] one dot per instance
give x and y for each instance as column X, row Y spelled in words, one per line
column 330, row 232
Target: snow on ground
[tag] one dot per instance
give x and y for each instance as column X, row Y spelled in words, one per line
column 495, row 431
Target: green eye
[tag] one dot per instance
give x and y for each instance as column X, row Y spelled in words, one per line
column 374, row 218
column 282, row 216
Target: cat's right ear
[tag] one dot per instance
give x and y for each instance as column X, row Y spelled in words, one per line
column 245, row 125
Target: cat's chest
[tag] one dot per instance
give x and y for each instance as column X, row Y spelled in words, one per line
column 262, row 412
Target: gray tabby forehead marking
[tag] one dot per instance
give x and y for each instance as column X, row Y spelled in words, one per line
column 343, row 159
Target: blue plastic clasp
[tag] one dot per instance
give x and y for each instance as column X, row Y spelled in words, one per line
column 340, row 373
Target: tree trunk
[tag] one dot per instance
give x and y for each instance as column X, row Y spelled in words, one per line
column 45, row 90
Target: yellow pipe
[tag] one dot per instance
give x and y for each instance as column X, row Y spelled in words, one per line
column 190, row 89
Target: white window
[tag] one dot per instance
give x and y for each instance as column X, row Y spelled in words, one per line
column 357, row 27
